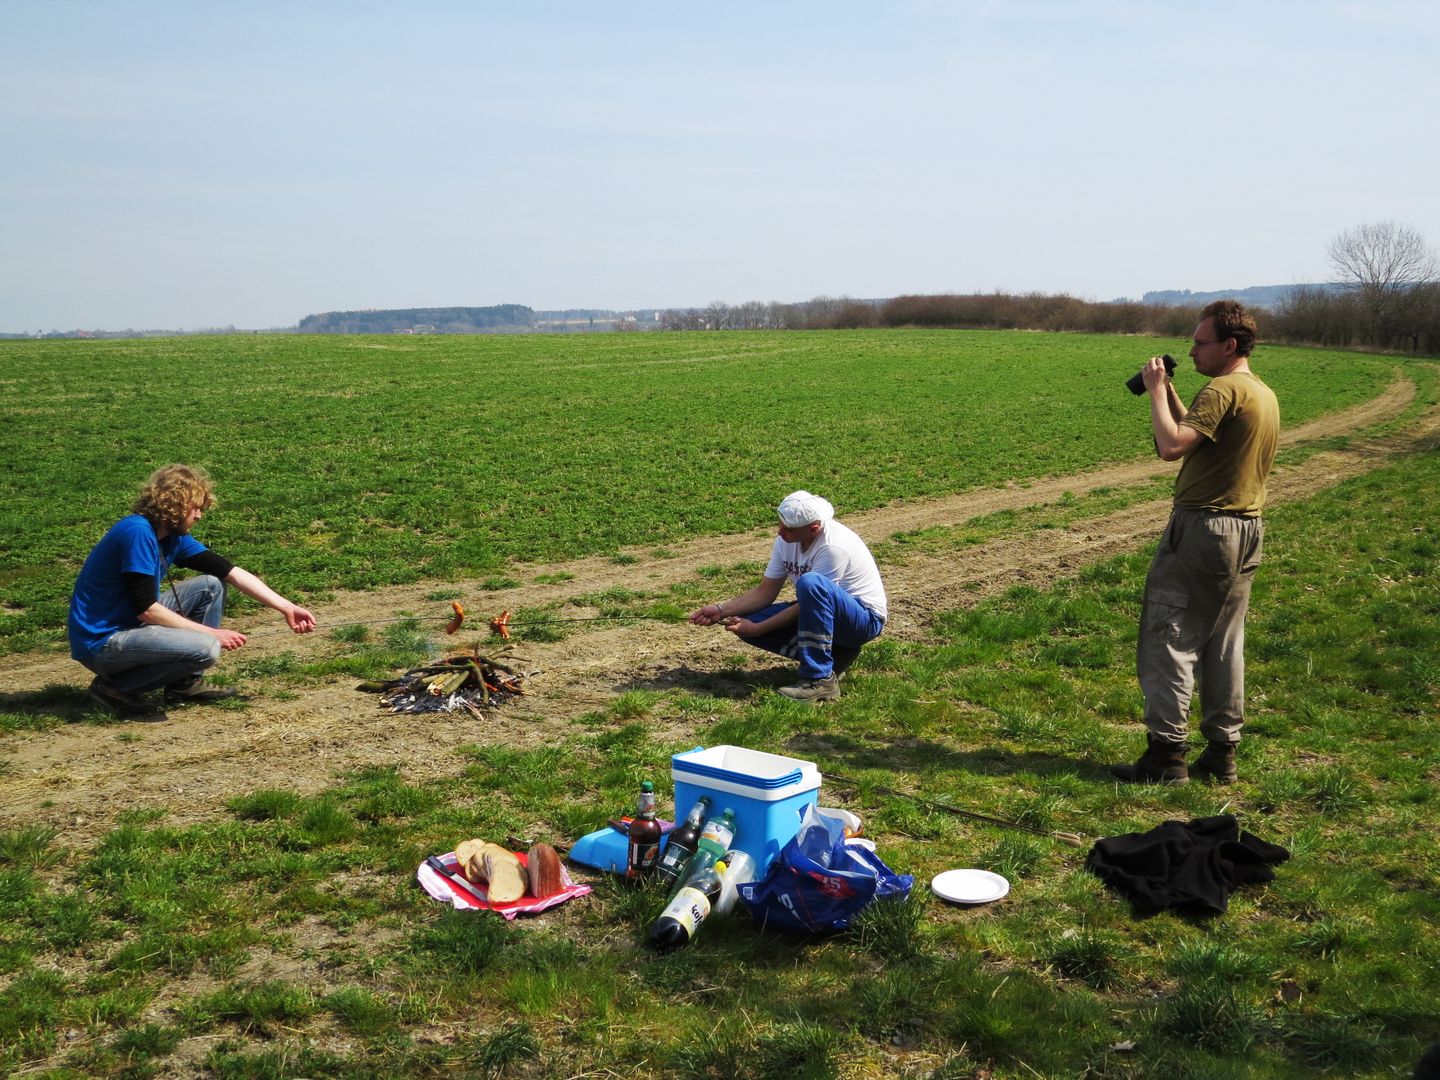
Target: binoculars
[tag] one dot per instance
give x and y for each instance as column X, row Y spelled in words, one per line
column 1136, row 382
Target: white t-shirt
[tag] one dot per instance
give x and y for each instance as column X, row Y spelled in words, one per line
column 838, row 554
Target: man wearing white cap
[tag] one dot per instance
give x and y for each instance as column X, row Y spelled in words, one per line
column 839, row 600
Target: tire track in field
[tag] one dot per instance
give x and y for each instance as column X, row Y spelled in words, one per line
column 75, row 778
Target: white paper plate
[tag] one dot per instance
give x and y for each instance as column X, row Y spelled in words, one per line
column 969, row 886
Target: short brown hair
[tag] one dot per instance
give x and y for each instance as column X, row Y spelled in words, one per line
column 171, row 492
column 1232, row 321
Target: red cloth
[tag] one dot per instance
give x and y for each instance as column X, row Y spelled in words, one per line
column 445, row 889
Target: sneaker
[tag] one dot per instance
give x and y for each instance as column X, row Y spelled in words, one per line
column 117, row 701
column 197, row 691
column 826, row 689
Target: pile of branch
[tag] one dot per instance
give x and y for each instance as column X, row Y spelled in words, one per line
column 459, row 683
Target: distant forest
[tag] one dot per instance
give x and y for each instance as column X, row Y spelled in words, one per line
column 446, row 320
column 1266, row 296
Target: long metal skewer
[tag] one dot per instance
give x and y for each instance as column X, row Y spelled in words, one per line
column 1073, row 839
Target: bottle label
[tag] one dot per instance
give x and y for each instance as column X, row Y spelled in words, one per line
column 718, row 834
column 643, row 856
column 673, row 858
column 689, row 908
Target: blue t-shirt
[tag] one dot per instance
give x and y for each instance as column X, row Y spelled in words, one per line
column 100, row 605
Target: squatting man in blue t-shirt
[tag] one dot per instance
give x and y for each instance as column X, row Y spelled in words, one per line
column 136, row 634
column 839, row 600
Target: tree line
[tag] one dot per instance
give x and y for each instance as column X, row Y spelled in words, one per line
column 1388, row 298
column 445, row 320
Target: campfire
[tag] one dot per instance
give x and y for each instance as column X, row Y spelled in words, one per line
column 457, row 683
column 467, row 683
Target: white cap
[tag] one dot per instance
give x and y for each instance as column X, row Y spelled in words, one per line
column 801, row 508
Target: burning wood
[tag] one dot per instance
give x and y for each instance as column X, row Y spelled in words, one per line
column 458, row 683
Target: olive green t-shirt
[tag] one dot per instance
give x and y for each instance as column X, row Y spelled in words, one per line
column 1240, row 419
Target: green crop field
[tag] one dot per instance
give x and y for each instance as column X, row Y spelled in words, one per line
column 365, row 461
column 278, row 933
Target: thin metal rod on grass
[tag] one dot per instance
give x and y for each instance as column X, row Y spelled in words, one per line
column 1070, row 838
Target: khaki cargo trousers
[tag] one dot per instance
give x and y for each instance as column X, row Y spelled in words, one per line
column 1193, row 623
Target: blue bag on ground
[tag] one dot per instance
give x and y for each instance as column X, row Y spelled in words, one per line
column 818, row 882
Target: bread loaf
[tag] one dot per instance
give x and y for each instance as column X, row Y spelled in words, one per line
column 470, row 855
column 504, row 879
column 467, row 858
column 542, row 868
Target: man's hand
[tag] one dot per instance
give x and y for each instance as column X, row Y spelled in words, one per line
column 299, row 620
column 708, row 615
column 1154, row 374
column 229, row 639
column 742, row 627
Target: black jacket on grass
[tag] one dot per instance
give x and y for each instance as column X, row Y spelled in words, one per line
column 1189, row 866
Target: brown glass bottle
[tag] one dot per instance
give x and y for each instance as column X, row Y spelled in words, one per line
column 644, row 848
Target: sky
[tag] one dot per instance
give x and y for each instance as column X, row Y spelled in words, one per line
column 190, row 165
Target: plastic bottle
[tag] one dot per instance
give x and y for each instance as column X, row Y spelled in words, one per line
column 739, row 868
column 687, row 910
column 681, row 844
column 644, row 848
column 715, row 840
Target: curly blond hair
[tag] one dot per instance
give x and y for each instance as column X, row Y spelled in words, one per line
column 170, row 494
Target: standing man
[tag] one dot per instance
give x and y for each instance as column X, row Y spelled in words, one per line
column 839, row 600
column 1198, row 589
column 136, row 635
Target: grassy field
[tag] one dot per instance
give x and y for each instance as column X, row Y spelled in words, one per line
column 1013, row 708
column 285, row 937
column 360, row 462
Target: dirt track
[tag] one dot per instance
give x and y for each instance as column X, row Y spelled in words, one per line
column 78, row 776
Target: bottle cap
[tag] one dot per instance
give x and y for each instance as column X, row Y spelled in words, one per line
column 646, row 785
column 720, row 866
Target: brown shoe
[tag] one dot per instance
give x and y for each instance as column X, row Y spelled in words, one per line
column 1162, row 763
column 121, row 703
column 1216, row 763
column 826, row 689
column 197, row 691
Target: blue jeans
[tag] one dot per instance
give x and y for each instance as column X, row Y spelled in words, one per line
column 139, row 660
column 829, row 616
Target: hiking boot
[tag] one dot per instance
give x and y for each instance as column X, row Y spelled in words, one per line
column 826, row 689
column 844, row 656
column 1216, row 763
column 117, row 701
column 197, row 691
column 1162, row 763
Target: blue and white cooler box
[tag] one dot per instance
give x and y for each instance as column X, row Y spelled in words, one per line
column 768, row 792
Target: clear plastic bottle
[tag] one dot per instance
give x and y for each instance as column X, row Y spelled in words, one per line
column 644, row 847
column 681, row 843
column 687, row 910
column 739, row 868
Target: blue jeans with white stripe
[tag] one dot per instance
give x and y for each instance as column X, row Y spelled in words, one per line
column 829, row 616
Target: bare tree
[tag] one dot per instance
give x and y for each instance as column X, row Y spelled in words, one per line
column 1383, row 263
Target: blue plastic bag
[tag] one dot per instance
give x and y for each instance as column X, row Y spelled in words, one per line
column 818, row 882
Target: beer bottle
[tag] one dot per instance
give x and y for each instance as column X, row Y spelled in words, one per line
column 644, row 848
column 687, row 910
column 681, row 843
column 715, row 840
